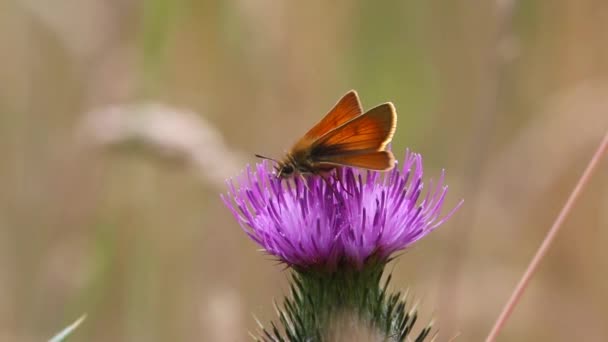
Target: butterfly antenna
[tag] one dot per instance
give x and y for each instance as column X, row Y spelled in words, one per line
column 267, row 158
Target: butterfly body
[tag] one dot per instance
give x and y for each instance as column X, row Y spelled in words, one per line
column 303, row 161
column 344, row 137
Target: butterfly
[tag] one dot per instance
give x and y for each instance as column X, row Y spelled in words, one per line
column 344, row 137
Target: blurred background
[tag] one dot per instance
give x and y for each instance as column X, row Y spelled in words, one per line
column 120, row 120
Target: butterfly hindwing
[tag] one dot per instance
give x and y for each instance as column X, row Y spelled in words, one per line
column 376, row 160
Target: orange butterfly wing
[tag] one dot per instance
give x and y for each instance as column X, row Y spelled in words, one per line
column 348, row 108
column 378, row 160
column 368, row 132
column 348, row 138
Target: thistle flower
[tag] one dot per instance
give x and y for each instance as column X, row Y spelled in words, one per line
column 358, row 217
column 337, row 234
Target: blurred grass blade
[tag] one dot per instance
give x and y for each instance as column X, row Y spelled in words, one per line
column 68, row 330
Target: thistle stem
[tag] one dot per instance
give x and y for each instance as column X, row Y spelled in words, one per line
column 340, row 305
column 544, row 247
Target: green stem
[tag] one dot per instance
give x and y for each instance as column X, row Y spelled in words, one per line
column 324, row 305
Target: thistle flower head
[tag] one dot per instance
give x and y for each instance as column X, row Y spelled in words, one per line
column 355, row 218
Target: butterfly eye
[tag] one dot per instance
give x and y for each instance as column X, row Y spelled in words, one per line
column 287, row 170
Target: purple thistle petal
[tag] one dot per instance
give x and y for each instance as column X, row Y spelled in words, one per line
column 367, row 214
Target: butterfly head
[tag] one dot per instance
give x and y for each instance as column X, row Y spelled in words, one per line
column 285, row 170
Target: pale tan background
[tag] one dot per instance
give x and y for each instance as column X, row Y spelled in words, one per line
column 119, row 121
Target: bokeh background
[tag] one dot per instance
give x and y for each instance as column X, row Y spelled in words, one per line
column 120, row 120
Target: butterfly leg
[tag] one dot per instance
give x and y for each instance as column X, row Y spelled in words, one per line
column 339, row 178
column 326, row 176
column 304, row 181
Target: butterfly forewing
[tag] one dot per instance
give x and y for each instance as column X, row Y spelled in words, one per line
column 369, row 132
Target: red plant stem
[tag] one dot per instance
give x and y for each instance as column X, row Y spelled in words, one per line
column 544, row 247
